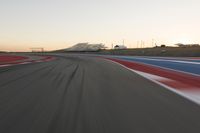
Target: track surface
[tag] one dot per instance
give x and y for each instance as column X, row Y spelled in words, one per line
column 79, row 94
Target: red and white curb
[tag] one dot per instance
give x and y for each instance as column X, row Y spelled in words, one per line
column 182, row 89
column 183, row 84
column 44, row 59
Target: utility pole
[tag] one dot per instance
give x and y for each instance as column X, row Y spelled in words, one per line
column 152, row 42
column 142, row 44
column 138, row 44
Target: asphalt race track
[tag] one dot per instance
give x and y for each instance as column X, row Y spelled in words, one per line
column 82, row 94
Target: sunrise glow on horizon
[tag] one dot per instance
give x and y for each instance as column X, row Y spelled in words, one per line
column 57, row 24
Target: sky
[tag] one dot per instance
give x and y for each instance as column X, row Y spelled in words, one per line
column 57, row 24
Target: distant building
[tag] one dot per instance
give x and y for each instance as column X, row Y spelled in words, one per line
column 120, row 47
column 179, row 45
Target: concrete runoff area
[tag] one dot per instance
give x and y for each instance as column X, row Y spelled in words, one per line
column 80, row 94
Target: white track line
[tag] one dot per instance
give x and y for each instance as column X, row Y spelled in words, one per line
column 166, row 60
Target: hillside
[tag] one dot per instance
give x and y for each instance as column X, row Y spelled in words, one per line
column 167, row 51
